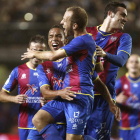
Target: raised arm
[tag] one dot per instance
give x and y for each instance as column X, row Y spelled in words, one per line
column 44, row 55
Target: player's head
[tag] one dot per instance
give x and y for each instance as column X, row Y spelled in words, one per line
column 75, row 18
column 133, row 64
column 56, row 38
column 117, row 14
column 37, row 43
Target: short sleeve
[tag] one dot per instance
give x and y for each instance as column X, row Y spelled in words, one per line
column 125, row 44
column 11, row 82
column 42, row 78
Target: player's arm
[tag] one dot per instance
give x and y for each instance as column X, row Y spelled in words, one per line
column 123, row 52
column 50, row 94
column 103, row 90
column 5, row 97
column 8, row 87
column 44, row 55
column 118, row 60
column 46, row 90
column 98, row 65
column 65, row 51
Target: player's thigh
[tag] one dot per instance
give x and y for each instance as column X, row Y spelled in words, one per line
column 23, row 134
column 43, row 117
column 76, row 117
column 34, row 135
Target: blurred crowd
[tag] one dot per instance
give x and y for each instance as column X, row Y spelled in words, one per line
column 28, row 17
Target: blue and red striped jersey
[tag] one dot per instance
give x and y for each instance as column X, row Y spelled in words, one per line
column 52, row 73
column 130, row 87
column 112, row 43
column 81, row 61
column 26, row 79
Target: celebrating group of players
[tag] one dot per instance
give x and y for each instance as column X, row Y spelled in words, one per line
column 80, row 103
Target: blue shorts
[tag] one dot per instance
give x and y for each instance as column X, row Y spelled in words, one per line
column 23, row 133
column 76, row 112
column 130, row 134
column 100, row 123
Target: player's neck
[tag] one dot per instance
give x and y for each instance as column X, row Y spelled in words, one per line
column 32, row 66
column 79, row 33
column 134, row 75
column 106, row 27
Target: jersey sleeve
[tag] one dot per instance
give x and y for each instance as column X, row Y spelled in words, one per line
column 11, row 82
column 118, row 86
column 95, row 76
column 42, row 78
column 74, row 46
column 125, row 44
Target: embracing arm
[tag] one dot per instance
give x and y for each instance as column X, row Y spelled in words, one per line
column 44, row 55
column 63, row 93
column 118, row 60
column 98, row 65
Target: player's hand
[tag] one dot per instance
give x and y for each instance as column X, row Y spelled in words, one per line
column 100, row 52
column 28, row 54
column 115, row 110
column 121, row 98
column 20, row 99
column 66, row 94
column 43, row 101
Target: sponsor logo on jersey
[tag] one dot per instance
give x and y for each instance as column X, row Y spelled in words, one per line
column 36, row 74
column 57, row 80
column 59, row 65
column 74, row 126
column 23, row 76
column 102, row 38
column 31, row 89
column 69, row 68
column 125, row 86
column 48, row 71
column 33, row 100
column 76, row 114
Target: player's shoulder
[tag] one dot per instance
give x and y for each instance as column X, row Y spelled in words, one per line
column 122, row 34
column 19, row 67
column 22, row 66
column 124, row 77
column 46, row 65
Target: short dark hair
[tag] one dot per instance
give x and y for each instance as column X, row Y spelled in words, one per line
column 38, row 39
column 113, row 6
column 58, row 26
column 79, row 16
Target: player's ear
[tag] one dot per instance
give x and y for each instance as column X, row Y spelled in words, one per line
column 75, row 26
column 111, row 14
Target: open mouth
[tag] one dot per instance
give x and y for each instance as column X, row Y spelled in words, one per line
column 55, row 46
